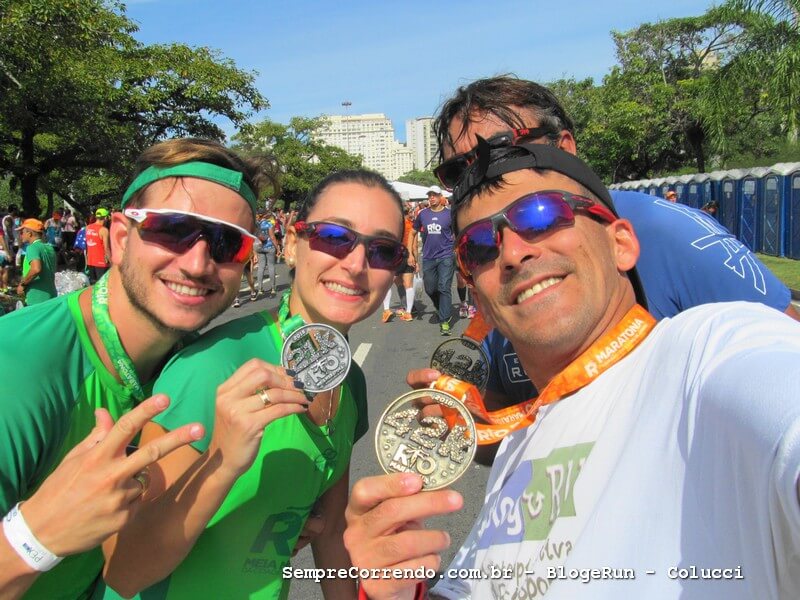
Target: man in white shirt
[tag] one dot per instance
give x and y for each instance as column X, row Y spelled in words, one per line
column 659, row 461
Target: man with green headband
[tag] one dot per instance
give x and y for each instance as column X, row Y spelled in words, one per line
column 176, row 251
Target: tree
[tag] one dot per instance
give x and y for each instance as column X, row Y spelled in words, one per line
column 79, row 95
column 765, row 65
column 420, row 177
column 304, row 160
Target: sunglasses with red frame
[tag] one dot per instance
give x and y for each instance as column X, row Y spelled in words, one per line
column 529, row 217
column 178, row 231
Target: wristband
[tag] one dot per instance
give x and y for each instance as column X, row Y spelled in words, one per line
column 24, row 543
column 420, row 592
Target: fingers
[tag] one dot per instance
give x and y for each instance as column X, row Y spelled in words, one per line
column 422, row 378
column 410, row 545
column 256, row 374
column 103, row 420
column 131, row 424
column 158, row 448
column 394, row 513
column 371, row 491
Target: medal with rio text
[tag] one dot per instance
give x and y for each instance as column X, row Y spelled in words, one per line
column 427, row 432
column 431, row 432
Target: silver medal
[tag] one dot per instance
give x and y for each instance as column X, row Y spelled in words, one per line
column 463, row 359
column 319, row 355
column 427, row 432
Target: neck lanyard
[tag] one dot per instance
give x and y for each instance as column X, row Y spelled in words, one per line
column 599, row 357
column 120, row 360
column 287, row 323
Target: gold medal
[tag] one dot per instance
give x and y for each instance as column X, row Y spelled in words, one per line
column 427, row 432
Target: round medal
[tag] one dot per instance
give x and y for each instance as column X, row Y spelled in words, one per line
column 319, row 355
column 463, row 359
column 427, row 432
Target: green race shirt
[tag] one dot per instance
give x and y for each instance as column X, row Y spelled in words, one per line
column 51, row 382
column 251, row 537
column 44, row 286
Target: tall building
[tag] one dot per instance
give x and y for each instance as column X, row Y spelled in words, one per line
column 372, row 137
column 422, row 141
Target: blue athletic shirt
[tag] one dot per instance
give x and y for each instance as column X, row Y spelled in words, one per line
column 686, row 258
column 437, row 233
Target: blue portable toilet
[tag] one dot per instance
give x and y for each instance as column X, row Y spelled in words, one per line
column 699, row 190
column 790, row 188
column 728, row 203
column 682, row 185
column 747, row 202
column 770, row 212
column 655, row 187
column 715, row 188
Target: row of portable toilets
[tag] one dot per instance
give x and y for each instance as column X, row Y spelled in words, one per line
column 760, row 206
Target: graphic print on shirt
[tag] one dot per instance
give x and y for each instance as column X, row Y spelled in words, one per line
column 280, row 530
column 534, row 496
column 514, row 371
column 434, row 228
column 737, row 257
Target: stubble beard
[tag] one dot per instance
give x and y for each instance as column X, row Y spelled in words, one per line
column 137, row 296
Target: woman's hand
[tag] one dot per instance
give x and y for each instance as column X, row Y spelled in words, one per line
column 257, row 394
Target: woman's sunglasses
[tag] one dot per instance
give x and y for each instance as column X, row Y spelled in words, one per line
column 451, row 170
column 339, row 241
column 528, row 217
column 178, row 231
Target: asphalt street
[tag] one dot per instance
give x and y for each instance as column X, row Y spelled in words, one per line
column 386, row 352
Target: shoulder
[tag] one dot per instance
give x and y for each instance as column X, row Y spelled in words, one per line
column 33, row 369
column 732, row 329
column 233, row 342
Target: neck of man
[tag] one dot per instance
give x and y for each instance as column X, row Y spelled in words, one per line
column 438, row 208
column 144, row 342
column 542, row 363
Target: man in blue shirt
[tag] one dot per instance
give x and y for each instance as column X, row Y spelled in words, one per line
column 438, row 264
column 687, row 258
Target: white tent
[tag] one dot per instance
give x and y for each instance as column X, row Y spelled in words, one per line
column 415, row 192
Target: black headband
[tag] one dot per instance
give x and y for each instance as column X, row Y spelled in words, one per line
column 492, row 163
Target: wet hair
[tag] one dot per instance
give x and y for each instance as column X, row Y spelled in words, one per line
column 259, row 171
column 501, row 96
column 369, row 179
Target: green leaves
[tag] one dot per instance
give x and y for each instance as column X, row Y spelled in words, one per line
column 304, row 160
column 78, row 93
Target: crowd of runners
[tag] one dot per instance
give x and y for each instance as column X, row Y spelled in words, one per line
column 640, row 414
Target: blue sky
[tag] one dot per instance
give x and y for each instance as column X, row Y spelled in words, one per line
column 400, row 58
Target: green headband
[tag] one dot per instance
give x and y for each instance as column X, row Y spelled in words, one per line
column 200, row 170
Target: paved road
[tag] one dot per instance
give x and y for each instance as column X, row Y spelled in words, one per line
column 386, row 352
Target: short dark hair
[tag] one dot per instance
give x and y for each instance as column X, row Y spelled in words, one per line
column 367, row 178
column 498, row 96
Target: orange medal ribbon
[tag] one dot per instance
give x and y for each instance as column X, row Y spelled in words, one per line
column 600, row 356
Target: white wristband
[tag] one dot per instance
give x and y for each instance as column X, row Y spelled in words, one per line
column 24, row 543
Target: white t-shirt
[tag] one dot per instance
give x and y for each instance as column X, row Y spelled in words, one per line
column 682, row 458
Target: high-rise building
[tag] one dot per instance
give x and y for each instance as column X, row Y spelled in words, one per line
column 372, row 137
column 422, row 141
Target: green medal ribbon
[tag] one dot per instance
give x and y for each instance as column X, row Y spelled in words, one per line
column 287, row 323
column 110, row 338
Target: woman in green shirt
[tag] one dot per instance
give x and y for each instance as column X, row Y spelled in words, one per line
column 238, row 499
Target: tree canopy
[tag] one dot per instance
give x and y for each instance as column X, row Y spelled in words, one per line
column 304, row 160
column 80, row 98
